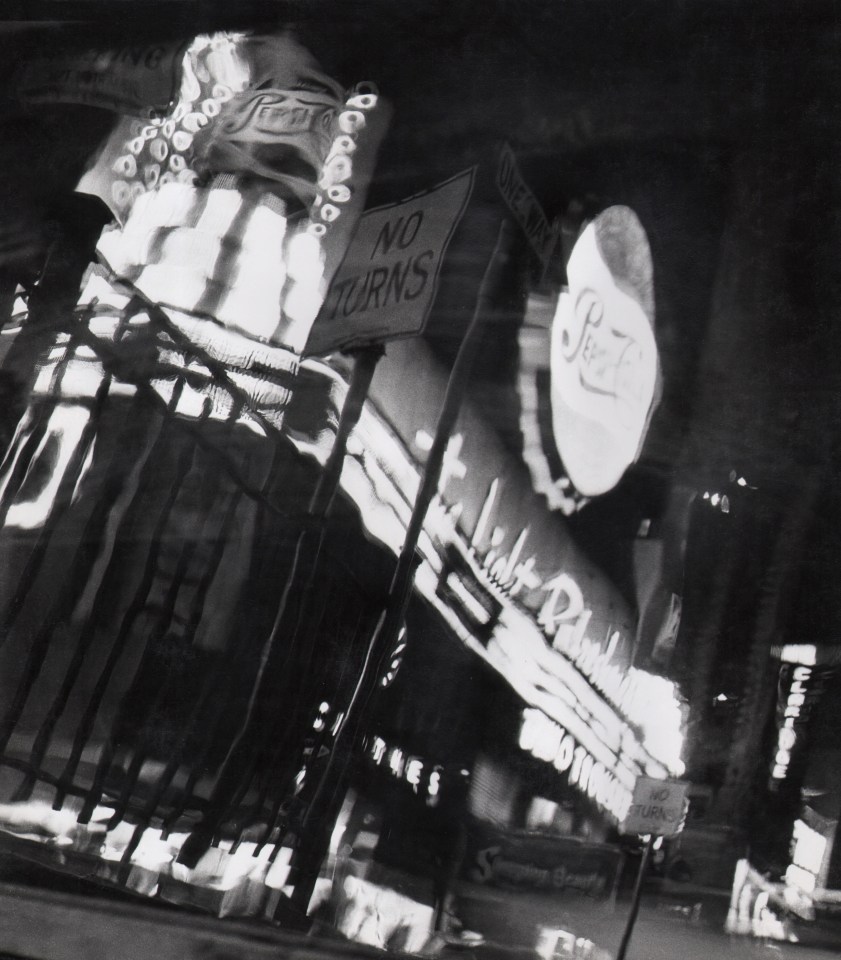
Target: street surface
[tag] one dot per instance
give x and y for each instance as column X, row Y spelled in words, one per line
column 689, row 927
column 666, row 929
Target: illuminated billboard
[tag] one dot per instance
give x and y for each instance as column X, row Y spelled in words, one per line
column 590, row 376
column 237, row 204
column 511, row 584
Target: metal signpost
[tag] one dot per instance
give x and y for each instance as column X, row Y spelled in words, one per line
column 323, row 804
column 658, row 809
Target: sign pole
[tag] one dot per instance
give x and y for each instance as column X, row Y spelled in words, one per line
column 317, row 817
column 456, row 389
column 658, row 808
column 365, row 364
column 635, row 901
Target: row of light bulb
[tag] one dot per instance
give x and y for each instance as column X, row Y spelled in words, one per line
column 333, row 189
column 169, row 138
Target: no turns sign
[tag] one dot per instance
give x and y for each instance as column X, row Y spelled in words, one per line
column 658, row 807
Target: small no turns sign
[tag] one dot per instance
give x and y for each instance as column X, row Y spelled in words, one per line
column 658, row 807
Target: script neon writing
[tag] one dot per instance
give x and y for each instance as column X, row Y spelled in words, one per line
column 491, row 865
column 565, row 620
column 564, row 616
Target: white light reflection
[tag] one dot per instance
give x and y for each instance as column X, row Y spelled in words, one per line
column 805, row 654
column 51, row 459
column 305, row 259
column 663, row 723
column 807, row 857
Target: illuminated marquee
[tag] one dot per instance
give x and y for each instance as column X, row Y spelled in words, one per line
column 485, row 570
column 556, row 631
column 478, row 585
column 564, row 616
column 548, row 741
column 565, row 619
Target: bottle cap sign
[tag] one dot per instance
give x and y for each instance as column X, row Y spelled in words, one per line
column 604, row 365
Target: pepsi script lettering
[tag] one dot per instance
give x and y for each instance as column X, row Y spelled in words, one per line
column 589, row 376
column 604, row 361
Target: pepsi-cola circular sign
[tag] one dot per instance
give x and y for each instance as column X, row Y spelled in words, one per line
column 596, row 392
